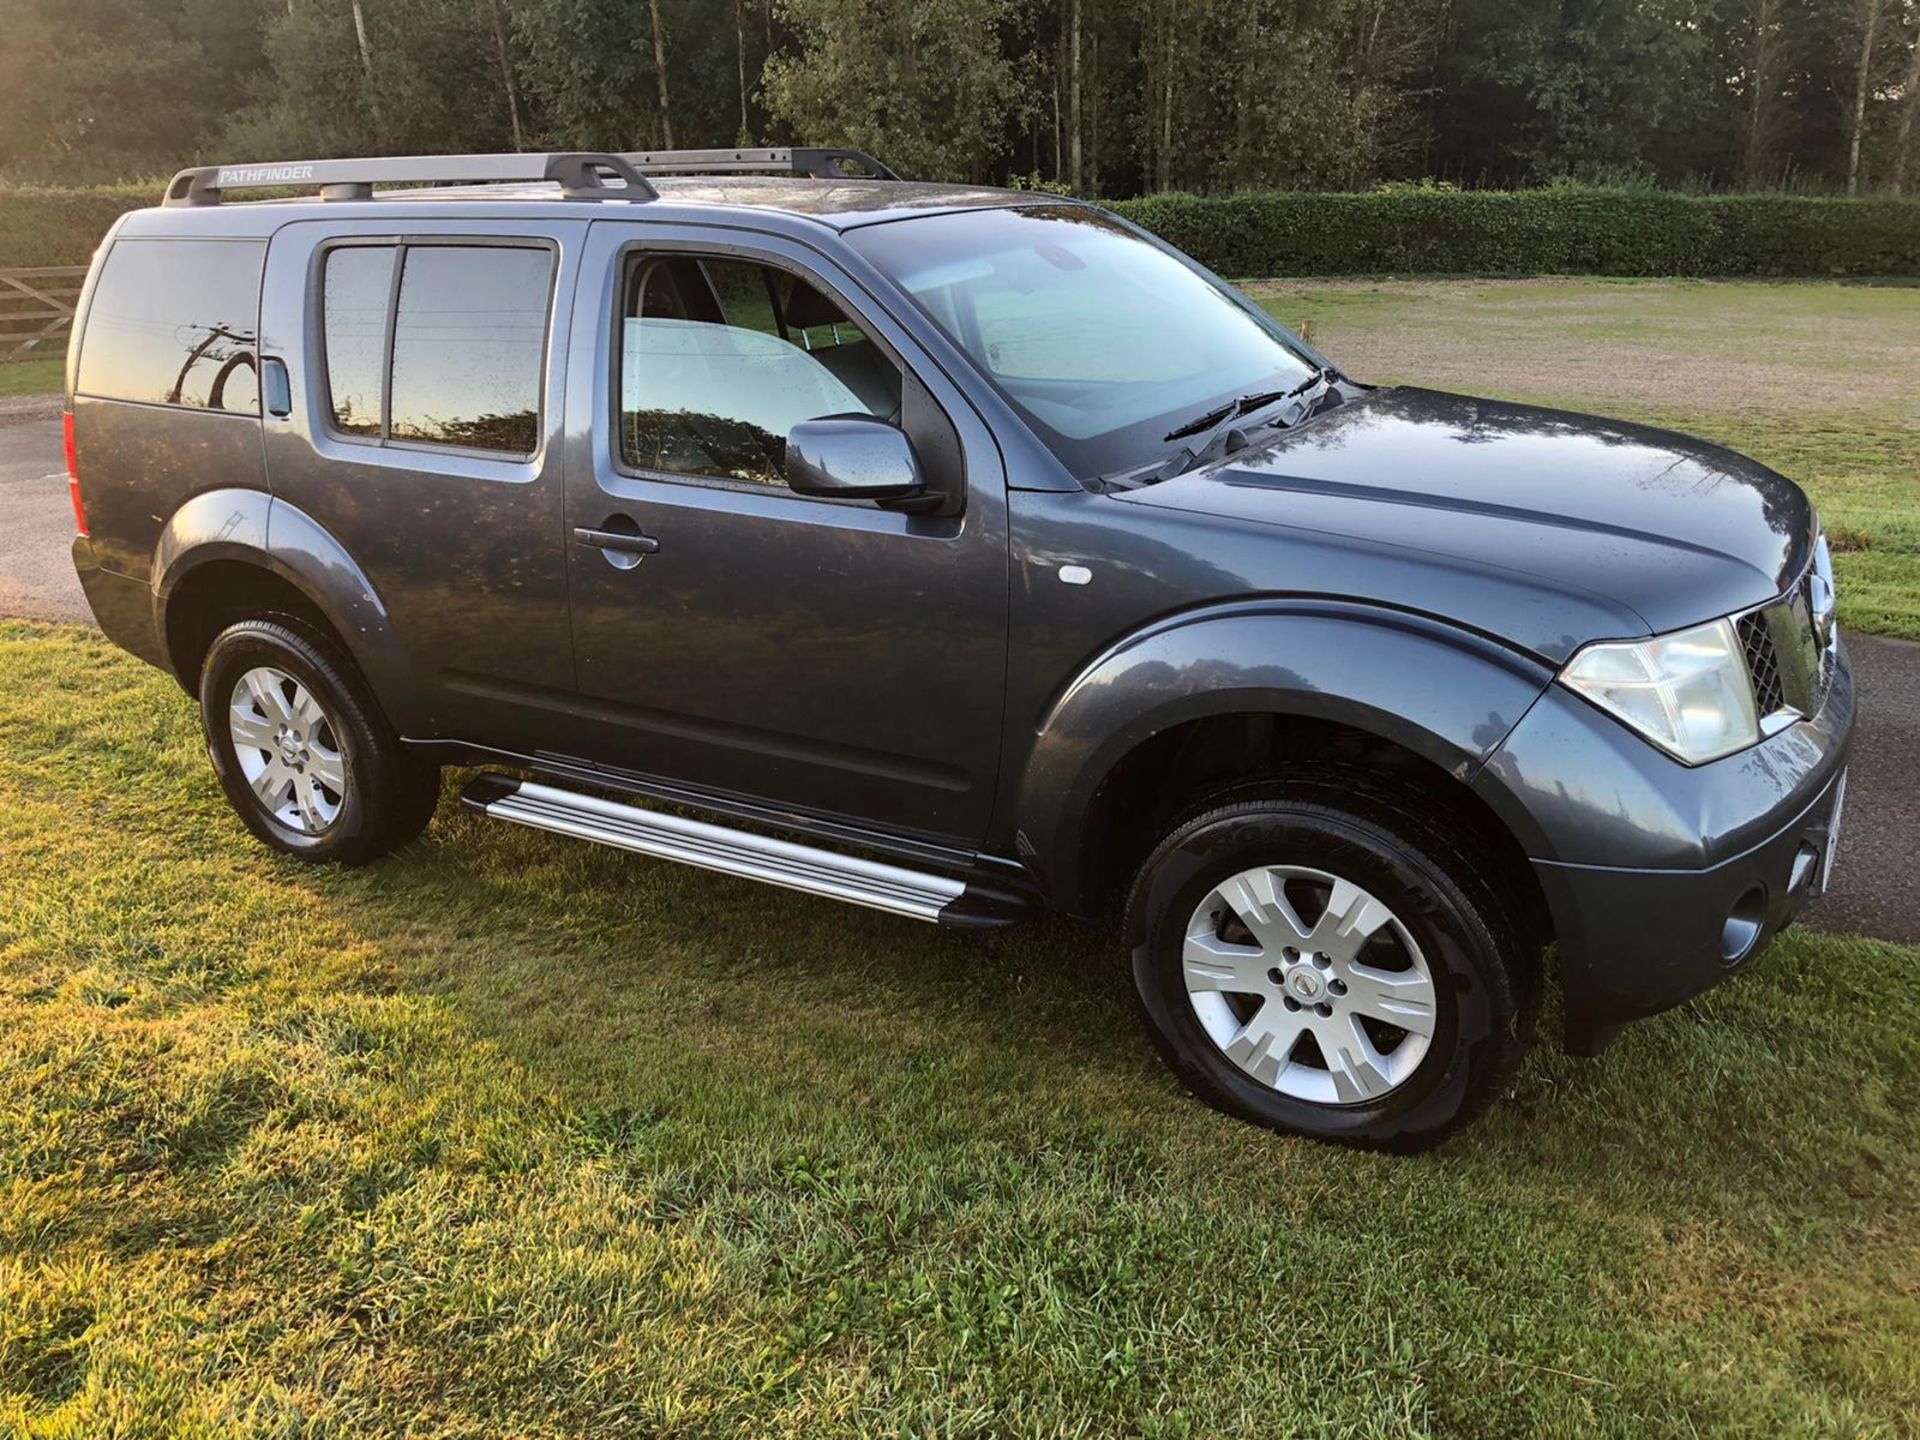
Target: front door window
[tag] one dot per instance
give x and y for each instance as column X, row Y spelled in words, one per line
column 719, row 359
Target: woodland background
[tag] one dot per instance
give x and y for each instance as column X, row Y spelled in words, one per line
column 1103, row 97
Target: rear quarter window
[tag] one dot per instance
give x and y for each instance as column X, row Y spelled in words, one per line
column 174, row 322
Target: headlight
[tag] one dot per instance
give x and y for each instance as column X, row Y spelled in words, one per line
column 1687, row 692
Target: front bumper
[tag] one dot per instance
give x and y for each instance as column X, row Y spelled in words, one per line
column 1663, row 879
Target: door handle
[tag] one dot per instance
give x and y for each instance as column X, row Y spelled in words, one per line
column 615, row 540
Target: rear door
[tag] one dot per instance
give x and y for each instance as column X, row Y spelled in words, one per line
column 842, row 658
column 428, row 370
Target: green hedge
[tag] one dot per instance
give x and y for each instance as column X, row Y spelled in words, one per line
column 62, row 227
column 1386, row 232
column 1526, row 232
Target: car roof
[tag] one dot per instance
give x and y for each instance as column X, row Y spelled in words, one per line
column 838, row 204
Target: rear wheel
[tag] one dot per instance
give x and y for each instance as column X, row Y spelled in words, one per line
column 305, row 757
column 1322, row 961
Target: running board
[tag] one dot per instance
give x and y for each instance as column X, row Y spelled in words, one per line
column 918, row 895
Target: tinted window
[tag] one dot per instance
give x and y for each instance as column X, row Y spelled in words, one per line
column 173, row 323
column 359, row 284
column 1103, row 341
column 468, row 342
column 721, row 358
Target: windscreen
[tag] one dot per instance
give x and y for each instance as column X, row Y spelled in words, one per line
column 1103, row 341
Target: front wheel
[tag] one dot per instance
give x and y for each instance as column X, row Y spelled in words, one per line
column 1326, row 963
column 305, row 756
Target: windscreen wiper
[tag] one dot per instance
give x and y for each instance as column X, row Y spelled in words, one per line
column 1220, row 425
column 1223, row 424
column 1232, row 410
column 1321, row 380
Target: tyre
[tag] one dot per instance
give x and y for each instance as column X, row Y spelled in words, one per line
column 305, row 757
column 1325, row 961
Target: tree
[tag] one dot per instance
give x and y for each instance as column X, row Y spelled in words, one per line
column 380, row 77
column 929, row 85
column 1076, row 125
column 360, row 39
column 1585, row 89
column 1903, row 156
column 740, row 42
column 494, row 18
column 1107, row 96
column 592, row 88
column 660, row 72
column 1867, row 12
column 1764, row 77
column 121, row 87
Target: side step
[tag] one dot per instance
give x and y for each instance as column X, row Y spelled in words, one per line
column 938, row 899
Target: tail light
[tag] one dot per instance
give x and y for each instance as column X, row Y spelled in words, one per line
column 73, row 477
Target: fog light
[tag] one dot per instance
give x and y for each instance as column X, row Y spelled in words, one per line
column 1742, row 930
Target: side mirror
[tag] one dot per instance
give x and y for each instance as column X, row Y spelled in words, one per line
column 852, row 457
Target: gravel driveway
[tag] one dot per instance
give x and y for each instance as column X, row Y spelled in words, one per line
column 36, row 522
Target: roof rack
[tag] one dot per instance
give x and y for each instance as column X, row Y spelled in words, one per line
column 820, row 162
column 581, row 175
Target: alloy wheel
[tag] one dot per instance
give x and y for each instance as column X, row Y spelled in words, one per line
column 1309, row 984
column 288, row 750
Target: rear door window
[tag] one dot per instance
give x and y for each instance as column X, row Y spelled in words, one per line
column 454, row 355
column 175, row 322
column 355, row 297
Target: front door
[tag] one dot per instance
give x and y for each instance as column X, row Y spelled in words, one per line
column 841, row 658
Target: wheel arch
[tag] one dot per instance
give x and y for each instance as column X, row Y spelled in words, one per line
column 228, row 555
column 1210, row 700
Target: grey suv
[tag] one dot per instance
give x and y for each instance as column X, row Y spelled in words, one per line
column 961, row 553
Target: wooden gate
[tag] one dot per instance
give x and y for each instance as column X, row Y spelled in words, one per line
column 36, row 310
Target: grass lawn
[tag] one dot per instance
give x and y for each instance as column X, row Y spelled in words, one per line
column 1820, row 380
column 515, row 1136
column 33, row 377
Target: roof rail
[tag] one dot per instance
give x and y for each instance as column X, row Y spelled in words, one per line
column 581, row 175
column 820, row 162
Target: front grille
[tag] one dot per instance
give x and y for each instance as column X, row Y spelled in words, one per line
column 1763, row 662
